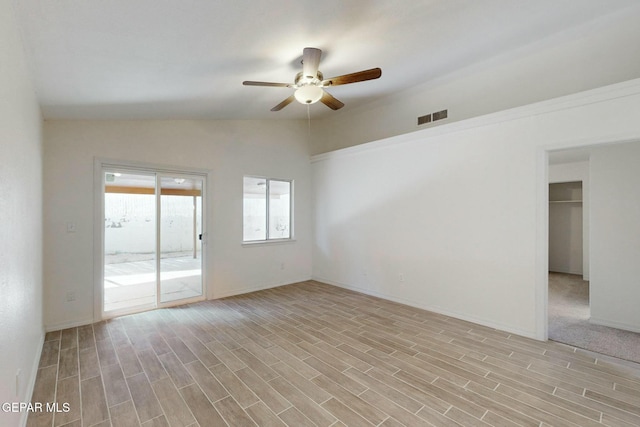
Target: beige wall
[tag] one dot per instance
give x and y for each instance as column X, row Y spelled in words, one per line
column 228, row 149
column 21, row 329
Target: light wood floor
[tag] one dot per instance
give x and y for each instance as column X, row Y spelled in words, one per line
column 312, row 354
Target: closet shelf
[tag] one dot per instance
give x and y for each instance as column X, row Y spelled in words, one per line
column 565, row 201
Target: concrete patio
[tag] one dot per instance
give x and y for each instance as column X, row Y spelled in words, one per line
column 133, row 284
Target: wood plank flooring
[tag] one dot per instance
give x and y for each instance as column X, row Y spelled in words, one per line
column 311, row 354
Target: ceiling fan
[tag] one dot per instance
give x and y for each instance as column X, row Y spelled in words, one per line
column 309, row 84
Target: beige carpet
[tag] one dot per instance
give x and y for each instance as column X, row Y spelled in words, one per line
column 569, row 321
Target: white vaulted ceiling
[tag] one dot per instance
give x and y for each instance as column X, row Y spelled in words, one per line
column 183, row 59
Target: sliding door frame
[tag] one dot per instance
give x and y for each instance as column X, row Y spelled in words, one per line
column 100, row 164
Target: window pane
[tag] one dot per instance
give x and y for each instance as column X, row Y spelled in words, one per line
column 279, row 209
column 180, row 256
column 129, row 241
column 255, row 209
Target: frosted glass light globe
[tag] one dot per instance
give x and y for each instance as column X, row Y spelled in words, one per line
column 308, row 94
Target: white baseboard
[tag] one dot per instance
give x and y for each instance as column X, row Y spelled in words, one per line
column 67, row 325
column 405, row 301
column 31, row 383
column 577, row 273
column 246, row 290
column 76, row 323
column 435, row 309
column 614, row 324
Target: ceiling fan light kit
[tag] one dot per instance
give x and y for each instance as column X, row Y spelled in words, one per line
column 308, row 94
column 309, row 84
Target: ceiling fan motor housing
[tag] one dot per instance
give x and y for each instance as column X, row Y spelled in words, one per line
column 302, row 80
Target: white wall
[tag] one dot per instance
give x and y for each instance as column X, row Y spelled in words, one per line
column 230, row 149
column 615, row 236
column 21, row 329
column 565, row 238
column 459, row 210
column 591, row 56
column 569, row 172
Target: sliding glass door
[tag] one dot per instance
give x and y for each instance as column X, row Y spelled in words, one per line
column 180, row 238
column 153, row 226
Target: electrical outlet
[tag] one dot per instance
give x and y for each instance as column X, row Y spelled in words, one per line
column 71, row 296
column 71, row 227
column 282, row 266
column 401, row 277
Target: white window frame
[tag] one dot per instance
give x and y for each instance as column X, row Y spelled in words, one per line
column 268, row 240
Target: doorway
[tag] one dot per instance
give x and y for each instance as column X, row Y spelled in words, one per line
column 568, row 266
column 152, row 239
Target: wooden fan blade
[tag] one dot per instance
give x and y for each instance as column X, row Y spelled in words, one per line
column 250, row 83
column 360, row 76
column 310, row 62
column 284, row 103
column 331, row 102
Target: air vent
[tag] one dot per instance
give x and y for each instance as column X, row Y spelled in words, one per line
column 432, row 117
column 440, row 115
column 424, row 119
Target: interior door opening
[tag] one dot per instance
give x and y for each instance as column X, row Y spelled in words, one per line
column 153, row 226
column 568, row 288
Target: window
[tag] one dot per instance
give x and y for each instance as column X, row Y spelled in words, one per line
column 266, row 209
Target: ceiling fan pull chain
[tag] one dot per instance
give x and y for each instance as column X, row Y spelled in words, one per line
column 309, row 119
